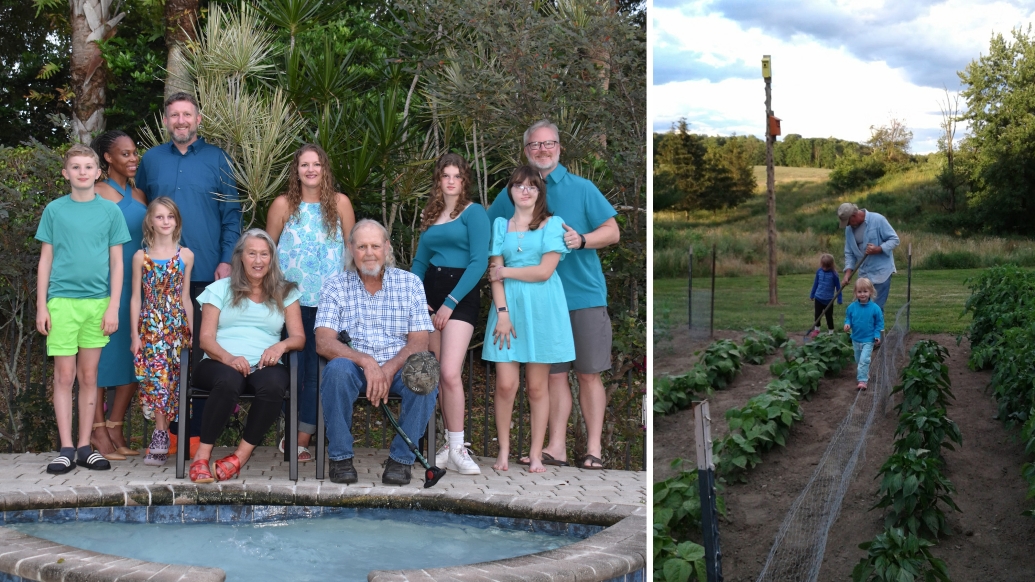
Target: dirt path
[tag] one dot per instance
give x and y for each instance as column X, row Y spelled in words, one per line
column 991, row 540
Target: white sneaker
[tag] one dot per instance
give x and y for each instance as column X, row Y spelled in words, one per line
column 461, row 462
column 442, row 456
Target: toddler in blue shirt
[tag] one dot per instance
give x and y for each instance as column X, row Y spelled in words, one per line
column 864, row 319
column 824, row 287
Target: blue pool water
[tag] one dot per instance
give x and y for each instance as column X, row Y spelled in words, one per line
column 330, row 546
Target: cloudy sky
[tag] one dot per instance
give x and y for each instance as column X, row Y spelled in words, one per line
column 839, row 66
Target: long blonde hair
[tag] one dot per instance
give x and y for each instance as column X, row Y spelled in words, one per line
column 149, row 228
column 328, row 195
column 275, row 287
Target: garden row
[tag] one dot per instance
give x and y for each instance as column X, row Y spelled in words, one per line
column 761, row 424
column 716, row 368
column 1002, row 333
column 913, row 489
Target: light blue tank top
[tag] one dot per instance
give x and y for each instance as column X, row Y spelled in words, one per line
column 307, row 256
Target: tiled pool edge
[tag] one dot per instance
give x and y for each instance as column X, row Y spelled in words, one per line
column 617, row 553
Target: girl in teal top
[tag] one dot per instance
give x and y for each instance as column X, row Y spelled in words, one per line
column 451, row 257
column 119, row 160
column 309, row 224
column 529, row 321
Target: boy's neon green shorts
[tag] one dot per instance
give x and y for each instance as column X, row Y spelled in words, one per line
column 74, row 324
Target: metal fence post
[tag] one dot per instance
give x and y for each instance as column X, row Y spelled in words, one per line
column 706, row 484
column 909, row 283
column 690, row 291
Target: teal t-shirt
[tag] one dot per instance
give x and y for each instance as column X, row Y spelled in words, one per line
column 248, row 328
column 584, row 208
column 82, row 234
column 462, row 243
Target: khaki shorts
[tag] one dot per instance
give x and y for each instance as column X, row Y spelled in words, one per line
column 592, row 330
column 74, row 324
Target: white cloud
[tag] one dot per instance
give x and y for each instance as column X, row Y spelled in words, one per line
column 837, row 70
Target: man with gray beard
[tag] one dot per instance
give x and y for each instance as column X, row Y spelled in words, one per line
column 384, row 310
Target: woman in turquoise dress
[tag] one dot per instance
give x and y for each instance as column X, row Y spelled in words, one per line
column 119, row 161
column 529, row 317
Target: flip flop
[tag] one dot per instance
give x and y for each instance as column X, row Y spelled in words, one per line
column 549, row 460
column 595, row 463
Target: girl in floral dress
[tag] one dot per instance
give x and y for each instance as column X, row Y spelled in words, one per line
column 163, row 319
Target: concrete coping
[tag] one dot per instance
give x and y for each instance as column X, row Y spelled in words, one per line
column 618, row 550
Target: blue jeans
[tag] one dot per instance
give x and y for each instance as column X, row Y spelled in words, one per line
column 882, row 293
column 862, row 359
column 343, row 382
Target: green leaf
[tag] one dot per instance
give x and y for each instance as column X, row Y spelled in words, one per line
column 677, row 570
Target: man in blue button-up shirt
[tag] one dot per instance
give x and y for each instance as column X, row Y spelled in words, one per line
column 197, row 176
column 869, row 234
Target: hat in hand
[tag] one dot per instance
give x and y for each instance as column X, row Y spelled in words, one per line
column 420, row 373
column 845, row 212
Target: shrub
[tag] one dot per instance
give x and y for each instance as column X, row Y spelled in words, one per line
column 854, row 173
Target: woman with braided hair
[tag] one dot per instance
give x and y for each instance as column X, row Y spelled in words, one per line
column 119, row 160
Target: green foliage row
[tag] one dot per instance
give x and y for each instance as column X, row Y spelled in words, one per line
column 677, row 517
column 691, row 173
column 715, row 369
column 913, row 487
column 1001, row 334
column 766, row 419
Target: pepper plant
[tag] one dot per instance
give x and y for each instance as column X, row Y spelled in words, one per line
column 897, row 556
column 915, row 490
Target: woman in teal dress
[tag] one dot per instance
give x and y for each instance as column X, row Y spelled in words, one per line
column 119, row 161
column 529, row 316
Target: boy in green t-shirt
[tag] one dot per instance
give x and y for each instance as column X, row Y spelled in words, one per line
column 78, row 288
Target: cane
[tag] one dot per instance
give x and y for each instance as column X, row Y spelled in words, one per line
column 420, row 375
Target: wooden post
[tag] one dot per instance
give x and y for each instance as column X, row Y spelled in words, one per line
column 706, row 486
column 690, row 292
column 770, row 177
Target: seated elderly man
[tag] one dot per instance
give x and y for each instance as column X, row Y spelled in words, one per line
column 385, row 312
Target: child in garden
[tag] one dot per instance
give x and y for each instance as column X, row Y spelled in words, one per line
column 79, row 286
column 826, row 284
column 864, row 319
column 162, row 319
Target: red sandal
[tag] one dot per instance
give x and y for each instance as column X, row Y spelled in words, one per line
column 226, row 468
column 200, row 473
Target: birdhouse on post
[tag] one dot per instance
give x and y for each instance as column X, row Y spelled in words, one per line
column 767, row 67
column 774, row 125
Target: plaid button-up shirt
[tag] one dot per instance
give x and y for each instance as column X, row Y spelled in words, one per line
column 378, row 323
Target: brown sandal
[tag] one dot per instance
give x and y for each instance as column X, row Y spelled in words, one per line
column 112, row 456
column 595, row 464
column 120, row 450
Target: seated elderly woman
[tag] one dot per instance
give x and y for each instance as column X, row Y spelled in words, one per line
column 241, row 321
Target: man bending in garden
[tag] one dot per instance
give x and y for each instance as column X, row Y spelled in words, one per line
column 868, row 234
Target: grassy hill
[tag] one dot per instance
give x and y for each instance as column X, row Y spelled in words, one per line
column 807, row 226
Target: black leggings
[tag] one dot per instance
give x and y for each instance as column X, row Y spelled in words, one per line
column 821, row 307
column 225, row 386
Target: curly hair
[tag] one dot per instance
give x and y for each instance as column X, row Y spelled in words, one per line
column 540, row 213
column 437, row 200
column 328, row 195
column 274, row 286
column 103, row 143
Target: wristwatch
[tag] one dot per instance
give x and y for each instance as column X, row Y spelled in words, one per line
column 501, row 309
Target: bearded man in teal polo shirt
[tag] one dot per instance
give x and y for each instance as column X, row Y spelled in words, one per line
column 590, row 225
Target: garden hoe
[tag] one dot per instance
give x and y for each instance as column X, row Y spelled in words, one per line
column 814, row 331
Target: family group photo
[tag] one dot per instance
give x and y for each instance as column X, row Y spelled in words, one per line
column 285, row 283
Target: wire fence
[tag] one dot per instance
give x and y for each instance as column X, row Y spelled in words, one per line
column 797, row 551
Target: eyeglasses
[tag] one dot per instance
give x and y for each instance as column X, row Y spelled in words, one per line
column 529, row 189
column 535, row 145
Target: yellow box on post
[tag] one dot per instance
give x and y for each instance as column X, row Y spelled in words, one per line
column 767, row 67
